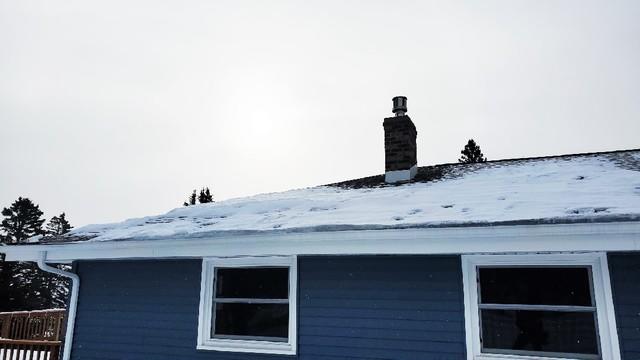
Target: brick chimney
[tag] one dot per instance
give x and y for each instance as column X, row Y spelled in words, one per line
column 399, row 144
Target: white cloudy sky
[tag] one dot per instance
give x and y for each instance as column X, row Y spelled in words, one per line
column 117, row 109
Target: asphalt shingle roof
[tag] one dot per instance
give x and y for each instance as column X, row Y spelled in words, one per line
column 593, row 187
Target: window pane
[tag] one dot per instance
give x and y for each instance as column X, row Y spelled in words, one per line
column 257, row 320
column 256, row 283
column 535, row 286
column 539, row 331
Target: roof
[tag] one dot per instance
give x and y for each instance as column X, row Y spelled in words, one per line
column 595, row 187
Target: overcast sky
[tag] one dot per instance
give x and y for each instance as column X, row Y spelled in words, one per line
column 117, row 109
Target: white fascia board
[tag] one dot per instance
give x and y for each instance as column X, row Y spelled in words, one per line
column 620, row 236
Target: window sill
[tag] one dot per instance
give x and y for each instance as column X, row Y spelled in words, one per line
column 248, row 346
column 518, row 357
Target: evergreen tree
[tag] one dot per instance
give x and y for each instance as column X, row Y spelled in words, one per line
column 22, row 221
column 58, row 225
column 192, row 199
column 471, row 153
column 24, row 286
column 205, row 196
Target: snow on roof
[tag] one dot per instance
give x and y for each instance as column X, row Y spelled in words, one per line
column 573, row 188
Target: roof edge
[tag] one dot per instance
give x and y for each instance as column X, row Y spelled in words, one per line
column 577, row 237
column 366, row 227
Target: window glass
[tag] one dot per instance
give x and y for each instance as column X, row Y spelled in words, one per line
column 539, row 331
column 256, row 283
column 540, row 311
column 535, row 286
column 251, row 303
column 253, row 320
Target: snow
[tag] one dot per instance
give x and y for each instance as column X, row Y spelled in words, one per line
column 34, row 239
column 555, row 188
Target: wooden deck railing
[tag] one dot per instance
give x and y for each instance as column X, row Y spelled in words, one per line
column 30, row 335
column 29, row 349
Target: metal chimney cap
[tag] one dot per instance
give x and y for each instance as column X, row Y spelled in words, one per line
column 399, row 105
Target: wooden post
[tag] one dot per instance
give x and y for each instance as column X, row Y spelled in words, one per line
column 55, row 353
column 6, row 325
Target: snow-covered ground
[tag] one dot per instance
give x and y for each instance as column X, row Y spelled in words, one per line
column 578, row 187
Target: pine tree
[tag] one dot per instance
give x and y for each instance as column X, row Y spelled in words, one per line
column 58, row 225
column 205, row 196
column 22, row 221
column 192, row 199
column 471, row 153
column 24, row 286
column 28, row 288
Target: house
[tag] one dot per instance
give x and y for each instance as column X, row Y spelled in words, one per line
column 516, row 259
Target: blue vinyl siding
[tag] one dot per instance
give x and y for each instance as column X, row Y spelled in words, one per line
column 365, row 307
column 385, row 307
column 625, row 274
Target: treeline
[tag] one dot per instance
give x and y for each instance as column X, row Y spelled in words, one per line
column 24, row 286
column 23, row 220
column 203, row 197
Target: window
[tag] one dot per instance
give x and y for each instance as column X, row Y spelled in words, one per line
column 539, row 306
column 248, row 305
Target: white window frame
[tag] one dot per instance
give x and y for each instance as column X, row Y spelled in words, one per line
column 606, row 323
column 205, row 317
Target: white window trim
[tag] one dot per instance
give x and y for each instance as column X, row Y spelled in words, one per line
column 206, row 342
column 608, row 335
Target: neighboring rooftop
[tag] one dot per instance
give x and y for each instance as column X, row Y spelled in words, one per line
column 593, row 187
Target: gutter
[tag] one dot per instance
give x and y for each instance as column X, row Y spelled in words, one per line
column 73, row 301
column 583, row 237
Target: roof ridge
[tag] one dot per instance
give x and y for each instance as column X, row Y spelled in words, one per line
column 374, row 178
column 593, row 153
column 436, row 171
